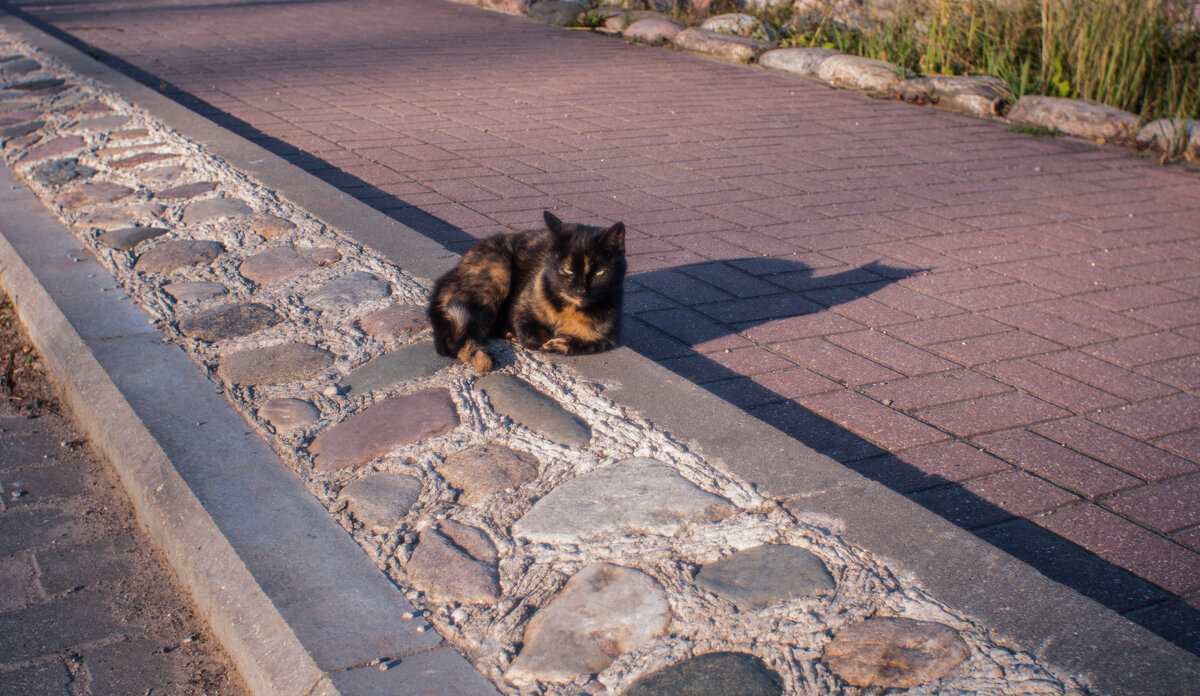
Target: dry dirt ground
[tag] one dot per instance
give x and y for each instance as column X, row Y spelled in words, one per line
column 89, row 606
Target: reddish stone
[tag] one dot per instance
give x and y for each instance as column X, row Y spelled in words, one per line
column 269, row 226
column 141, row 159
column 322, row 256
column 53, row 148
column 186, row 190
column 384, row 426
column 275, row 265
column 168, row 256
column 132, row 134
column 894, row 653
column 394, row 322
column 456, row 563
column 485, row 469
column 91, row 194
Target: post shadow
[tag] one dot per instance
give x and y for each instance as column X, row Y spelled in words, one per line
column 1061, row 560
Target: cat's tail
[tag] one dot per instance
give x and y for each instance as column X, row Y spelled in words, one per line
column 458, row 331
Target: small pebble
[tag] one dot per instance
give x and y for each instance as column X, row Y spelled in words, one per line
column 330, row 391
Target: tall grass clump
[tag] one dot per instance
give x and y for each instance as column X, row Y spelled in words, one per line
column 1129, row 54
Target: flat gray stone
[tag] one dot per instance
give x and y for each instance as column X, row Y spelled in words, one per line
column 894, row 653
column 348, row 292
column 100, row 124
column 399, row 366
column 53, row 148
column 275, row 265
column 20, row 66
column 603, row 612
column 269, row 226
column 384, row 426
column 185, row 191
column 38, row 85
column 380, row 501
column 285, row 414
column 229, row 322
column 290, row 362
column 91, row 194
column 739, row 24
column 126, row 238
column 214, row 208
column 485, row 469
column 178, row 253
column 17, row 130
column 396, row 321
column 195, row 290
column 1078, row 117
column 714, row 674
column 560, row 13
column 455, row 563
column 162, row 175
column 761, row 576
column 527, row 406
column 798, row 61
column 60, row 172
column 114, row 217
column 635, row 496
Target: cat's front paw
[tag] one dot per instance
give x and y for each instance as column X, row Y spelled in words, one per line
column 557, row 345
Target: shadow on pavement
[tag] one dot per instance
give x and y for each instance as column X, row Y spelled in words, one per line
column 1152, row 607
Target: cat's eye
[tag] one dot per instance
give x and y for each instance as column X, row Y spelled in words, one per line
column 566, row 270
column 599, row 272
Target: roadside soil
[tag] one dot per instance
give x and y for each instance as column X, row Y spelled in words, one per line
column 161, row 646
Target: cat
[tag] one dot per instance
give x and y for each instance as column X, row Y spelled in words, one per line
column 556, row 290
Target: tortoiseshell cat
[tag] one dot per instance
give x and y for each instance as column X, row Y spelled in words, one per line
column 556, row 290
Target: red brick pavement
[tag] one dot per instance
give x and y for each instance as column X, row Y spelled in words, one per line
column 1004, row 327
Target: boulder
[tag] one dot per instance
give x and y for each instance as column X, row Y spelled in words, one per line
column 561, row 13
column 1172, row 135
column 740, row 24
column 1081, row 118
column 737, row 49
column 983, row 95
column 798, row 61
column 866, row 74
column 652, row 30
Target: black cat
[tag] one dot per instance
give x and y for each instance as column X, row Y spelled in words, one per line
column 556, row 290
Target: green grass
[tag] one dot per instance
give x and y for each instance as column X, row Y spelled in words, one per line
column 1125, row 53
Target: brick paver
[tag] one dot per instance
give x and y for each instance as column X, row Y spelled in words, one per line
column 1004, row 326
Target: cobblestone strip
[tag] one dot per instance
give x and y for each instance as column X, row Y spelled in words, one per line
column 601, row 556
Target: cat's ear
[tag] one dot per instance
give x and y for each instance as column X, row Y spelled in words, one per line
column 615, row 236
column 552, row 223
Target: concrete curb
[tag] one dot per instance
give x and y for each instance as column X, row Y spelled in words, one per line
column 1031, row 612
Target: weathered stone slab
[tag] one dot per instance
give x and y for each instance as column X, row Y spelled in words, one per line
column 736, row 49
column 714, row 674
column 229, row 322
column 162, row 175
column 139, row 160
column 455, row 563
column 23, row 141
column 856, row 72
column 214, row 208
column 118, row 216
column 286, row 414
column 195, row 290
column 652, row 30
column 978, row 95
column 91, row 194
column 384, row 426
column 131, row 134
column 178, row 253
column 275, row 265
column 635, row 496
column 529, row 407
column 100, row 124
column 603, row 611
column 761, row 576
column 14, row 117
column 185, row 191
column 60, row 172
column 395, row 322
column 348, row 292
column 269, row 226
column 798, row 61
column 739, row 24
column 894, row 653
column 16, row 131
column 126, row 238
column 289, row 362
column 1078, row 117
column 380, row 501
column 485, row 469
column 54, row 148
column 37, row 85
column 20, row 66
column 399, row 366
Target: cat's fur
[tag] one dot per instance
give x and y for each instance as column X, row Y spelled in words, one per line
column 556, row 290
